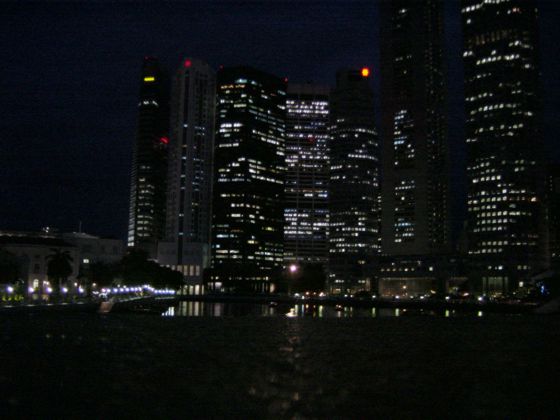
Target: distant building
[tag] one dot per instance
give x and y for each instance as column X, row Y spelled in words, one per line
column 416, row 222
column 249, row 162
column 306, row 211
column 33, row 249
column 191, row 150
column 93, row 249
column 504, row 143
column 354, row 183
column 149, row 169
column 413, row 277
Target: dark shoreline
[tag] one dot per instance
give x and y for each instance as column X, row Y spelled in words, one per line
column 428, row 304
column 153, row 303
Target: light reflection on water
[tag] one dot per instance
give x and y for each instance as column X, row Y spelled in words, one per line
column 219, row 309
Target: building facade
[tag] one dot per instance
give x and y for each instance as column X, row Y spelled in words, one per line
column 354, row 183
column 191, row 150
column 553, row 211
column 416, row 223
column 247, row 225
column 146, row 221
column 306, row 211
column 33, row 251
column 503, row 135
column 93, row 249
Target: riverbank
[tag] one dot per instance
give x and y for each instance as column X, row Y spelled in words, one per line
column 426, row 304
column 158, row 305
column 148, row 304
column 44, row 307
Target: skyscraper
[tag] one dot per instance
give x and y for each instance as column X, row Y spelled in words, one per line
column 415, row 199
column 504, row 170
column 553, row 214
column 247, row 227
column 190, row 170
column 148, row 176
column 307, row 162
column 354, row 183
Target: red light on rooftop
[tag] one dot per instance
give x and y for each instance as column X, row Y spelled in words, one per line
column 188, row 63
column 285, row 80
column 365, row 72
column 164, row 140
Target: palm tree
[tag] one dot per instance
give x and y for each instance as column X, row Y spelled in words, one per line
column 59, row 268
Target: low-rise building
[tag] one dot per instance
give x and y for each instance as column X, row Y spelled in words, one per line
column 33, row 250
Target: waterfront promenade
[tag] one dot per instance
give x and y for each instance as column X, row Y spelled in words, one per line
column 135, row 303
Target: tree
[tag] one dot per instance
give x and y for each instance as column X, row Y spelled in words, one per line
column 59, row 268
column 136, row 269
column 9, row 267
column 101, row 273
column 166, row 277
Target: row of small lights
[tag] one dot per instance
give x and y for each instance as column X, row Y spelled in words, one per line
column 322, row 294
column 146, row 287
column 115, row 290
column 126, row 289
column 48, row 290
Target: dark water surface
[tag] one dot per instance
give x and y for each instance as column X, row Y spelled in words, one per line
column 247, row 366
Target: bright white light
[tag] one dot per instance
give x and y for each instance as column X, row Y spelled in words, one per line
column 293, row 268
column 49, row 290
column 292, row 313
column 10, row 289
column 64, row 290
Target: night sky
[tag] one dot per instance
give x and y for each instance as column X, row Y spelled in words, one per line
column 70, row 79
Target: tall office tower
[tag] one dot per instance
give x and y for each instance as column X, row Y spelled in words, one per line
column 146, row 221
column 354, row 183
column 502, row 104
column 247, row 225
column 415, row 199
column 306, row 212
column 191, row 151
column 553, row 210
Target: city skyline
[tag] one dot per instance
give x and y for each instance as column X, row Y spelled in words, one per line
column 280, row 208
column 90, row 185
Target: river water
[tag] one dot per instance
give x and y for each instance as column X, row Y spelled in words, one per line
column 246, row 361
